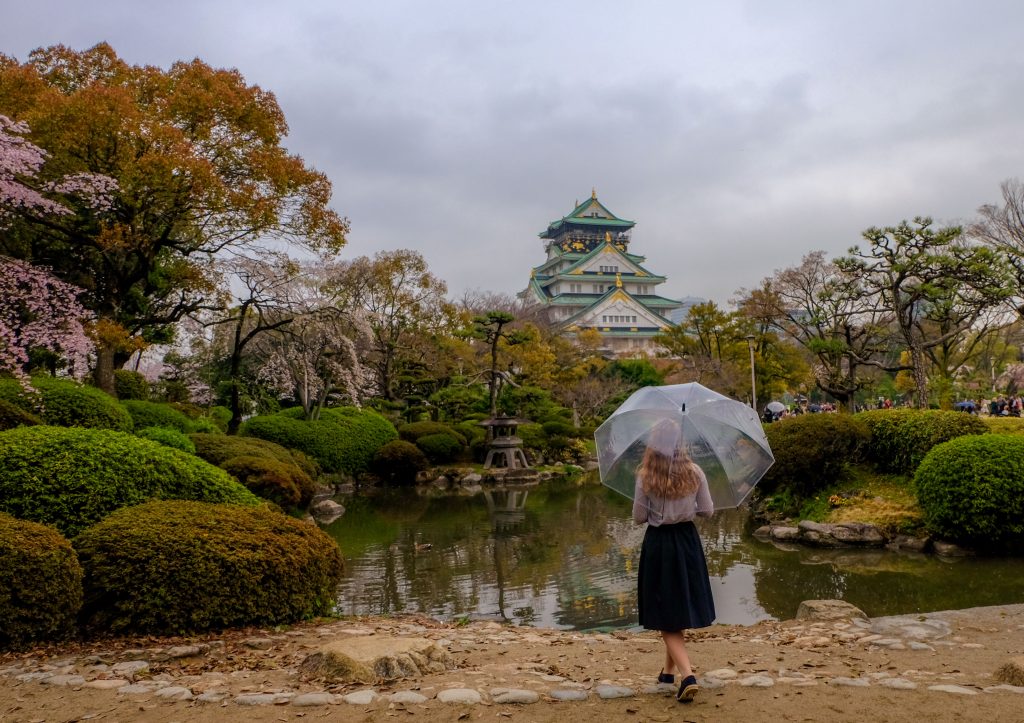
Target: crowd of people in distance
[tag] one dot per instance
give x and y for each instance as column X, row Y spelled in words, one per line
column 1002, row 406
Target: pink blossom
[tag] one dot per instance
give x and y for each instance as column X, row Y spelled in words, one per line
column 39, row 311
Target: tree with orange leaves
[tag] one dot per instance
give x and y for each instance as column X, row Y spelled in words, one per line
column 200, row 171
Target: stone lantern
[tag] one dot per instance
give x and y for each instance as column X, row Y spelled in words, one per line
column 505, row 449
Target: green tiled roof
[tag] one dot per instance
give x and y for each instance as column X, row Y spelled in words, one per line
column 576, row 218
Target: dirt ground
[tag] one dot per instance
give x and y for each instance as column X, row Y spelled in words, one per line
column 827, row 671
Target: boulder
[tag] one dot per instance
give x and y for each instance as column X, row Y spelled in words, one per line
column 373, row 659
column 948, row 549
column 828, row 610
column 858, row 533
column 909, row 543
column 327, row 511
column 785, row 534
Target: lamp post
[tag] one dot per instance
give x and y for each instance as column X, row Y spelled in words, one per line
column 753, row 378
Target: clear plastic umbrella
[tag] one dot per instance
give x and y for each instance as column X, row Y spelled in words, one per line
column 775, row 407
column 724, row 437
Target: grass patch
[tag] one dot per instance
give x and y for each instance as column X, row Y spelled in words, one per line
column 886, row 500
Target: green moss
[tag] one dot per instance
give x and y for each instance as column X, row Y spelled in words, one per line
column 66, row 403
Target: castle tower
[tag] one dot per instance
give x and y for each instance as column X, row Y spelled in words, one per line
column 591, row 281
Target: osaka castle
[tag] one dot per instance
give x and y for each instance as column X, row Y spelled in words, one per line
column 590, row 280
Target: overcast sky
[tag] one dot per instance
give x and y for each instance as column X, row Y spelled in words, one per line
column 739, row 135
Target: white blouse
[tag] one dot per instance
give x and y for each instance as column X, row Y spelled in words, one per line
column 657, row 511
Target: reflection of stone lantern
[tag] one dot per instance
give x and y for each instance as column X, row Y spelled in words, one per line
column 505, row 448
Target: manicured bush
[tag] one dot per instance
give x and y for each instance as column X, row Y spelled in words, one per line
column 414, row 430
column 220, row 416
column 11, row 416
column 471, row 430
column 66, row 403
column 559, row 428
column 130, row 385
column 971, row 490
column 812, row 452
column 398, row 461
column 219, row 448
column 439, row 448
column 900, row 438
column 72, row 478
column 344, row 439
column 40, row 583
column 1004, row 425
column 532, row 435
column 155, row 414
column 167, row 437
column 280, row 482
column 567, row 450
column 173, row 567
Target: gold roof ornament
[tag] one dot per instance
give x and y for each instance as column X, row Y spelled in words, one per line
column 607, row 237
column 593, row 193
column 618, row 280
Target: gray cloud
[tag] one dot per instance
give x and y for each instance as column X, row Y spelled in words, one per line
column 739, row 135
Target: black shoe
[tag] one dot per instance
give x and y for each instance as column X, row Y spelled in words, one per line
column 664, row 677
column 687, row 689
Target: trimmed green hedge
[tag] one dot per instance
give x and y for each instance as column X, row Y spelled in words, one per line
column 72, row 478
column 66, row 403
column 175, row 567
column 812, row 452
column 167, row 437
column 129, row 384
column 280, row 482
column 971, row 490
column 344, row 439
column 412, row 431
column 155, row 414
column 219, row 448
column 900, row 438
column 398, row 461
column 439, row 448
column 40, row 583
column 11, row 416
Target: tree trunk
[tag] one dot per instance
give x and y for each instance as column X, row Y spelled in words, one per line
column 103, row 374
column 920, row 378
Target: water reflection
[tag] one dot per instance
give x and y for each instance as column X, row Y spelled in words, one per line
column 559, row 555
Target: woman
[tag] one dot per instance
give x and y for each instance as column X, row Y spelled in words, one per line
column 674, row 592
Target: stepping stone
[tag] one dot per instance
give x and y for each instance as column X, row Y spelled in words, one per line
column 312, row 699
column 608, row 692
column 722, row 674
column 852, row 682
column 64, row 680
column 137, row 689
column 408, row 697
column 174, row 692
column 106, row 683
column 263, row 698
column 514, row 695
column 898, row 683
column 213, row 696
column 130, row 668
column 757, row 681
column 958, row 689
column 361, row 697
column 1019, row 689
column 466, row 696
column 563, row 694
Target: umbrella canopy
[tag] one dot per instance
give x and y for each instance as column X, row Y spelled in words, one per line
column 775, row 407
column 723, row 436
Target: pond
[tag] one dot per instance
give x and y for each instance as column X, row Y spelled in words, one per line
column 564, row 555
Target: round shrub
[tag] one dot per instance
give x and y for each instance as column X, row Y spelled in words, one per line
column 532, row 435
column 155, row 414
column 414, row 430
column 812, row 451
column 168, row 437
column 11, row 416
column 900, row 438
column 439, row 448
column 129, row 384
column 280, row 482
column 66, row 403
column 971, row 490
column 40, row 583
column 470, row 430
column 219, row 448
column 72, row 478
column 344, row 439
column 173, row 567
column 559, row 428
column 398, row 461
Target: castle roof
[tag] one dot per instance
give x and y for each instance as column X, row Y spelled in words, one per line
column 589, row 214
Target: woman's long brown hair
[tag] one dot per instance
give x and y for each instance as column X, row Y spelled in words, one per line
column 669, row 476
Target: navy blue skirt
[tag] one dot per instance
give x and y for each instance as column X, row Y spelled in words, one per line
column 673, row 588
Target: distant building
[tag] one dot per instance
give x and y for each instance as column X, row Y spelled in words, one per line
column 591, row 281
